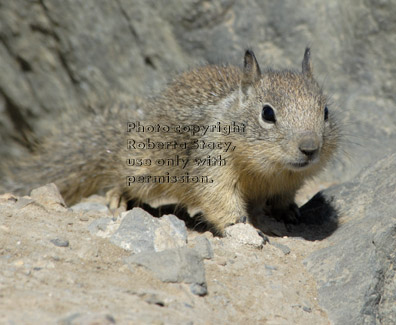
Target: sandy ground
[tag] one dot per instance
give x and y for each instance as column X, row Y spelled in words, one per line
column 53, row 270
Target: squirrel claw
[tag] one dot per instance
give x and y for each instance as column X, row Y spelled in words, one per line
column 242, row 219
column 262, row 235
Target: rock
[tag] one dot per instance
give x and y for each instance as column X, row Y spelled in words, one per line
column 23, row 201
column 269, row 269
column 91, row 206
column 244, row 234
column 49, row 196
column 60, row 242
column 174, row 265
column 355, row 273
column 43, row 75
column 285, row 249
column 199, row 289
column 139, row 232
column 203, row 246
column 171, row 233
column 98, row 227
column 136, row 232
column 154, row 299
column 87, row 318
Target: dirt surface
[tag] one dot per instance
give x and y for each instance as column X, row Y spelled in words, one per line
column 54, row 270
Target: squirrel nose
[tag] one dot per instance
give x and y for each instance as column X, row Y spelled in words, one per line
column 309, row 145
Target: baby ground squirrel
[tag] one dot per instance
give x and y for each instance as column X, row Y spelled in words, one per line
column 266, row 133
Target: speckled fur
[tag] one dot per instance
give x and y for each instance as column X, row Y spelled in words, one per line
column 90, row 154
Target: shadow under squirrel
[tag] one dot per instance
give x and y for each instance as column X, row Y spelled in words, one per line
column 266, row 133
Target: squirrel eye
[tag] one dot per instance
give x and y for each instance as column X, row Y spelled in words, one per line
column 268, row 114
column 326, row 113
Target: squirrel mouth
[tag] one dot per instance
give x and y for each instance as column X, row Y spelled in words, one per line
column 299, row 165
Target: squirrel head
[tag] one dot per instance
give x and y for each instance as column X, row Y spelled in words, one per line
column 287, row 115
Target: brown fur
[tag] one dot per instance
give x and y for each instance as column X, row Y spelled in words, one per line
column 90, row 154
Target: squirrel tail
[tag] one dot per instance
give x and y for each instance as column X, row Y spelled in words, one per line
column 78, row 156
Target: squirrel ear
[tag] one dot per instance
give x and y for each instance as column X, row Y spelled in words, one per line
column 306, row 63
column 251, row 70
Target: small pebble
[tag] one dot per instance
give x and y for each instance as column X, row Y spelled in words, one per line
column 153, row 299
column 60, row 242
column 285, row 249
column 90, row 206
column 198, row 289
column 270, row 267
column 98, row 225
column 245, row 234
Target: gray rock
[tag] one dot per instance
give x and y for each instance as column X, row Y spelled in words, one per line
column 171, row 233
column 99, row 225
column 60, row 242
column 203, row 246
column 285, row 249
column 355, row 273
column 136, row 232
column 270, row 269
column 199, row 289
column 139, row 232
column 90, row 206
column 154, row 299
column 244, row 234
column 178, row 227
column 173, row 265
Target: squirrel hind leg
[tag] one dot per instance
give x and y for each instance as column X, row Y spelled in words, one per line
column 116, row 199
column 224, row 215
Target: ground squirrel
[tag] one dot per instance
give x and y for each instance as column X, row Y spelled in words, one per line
column 218, row 140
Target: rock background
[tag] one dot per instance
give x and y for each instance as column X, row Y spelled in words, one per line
column 357, row 262
column 57, row 55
